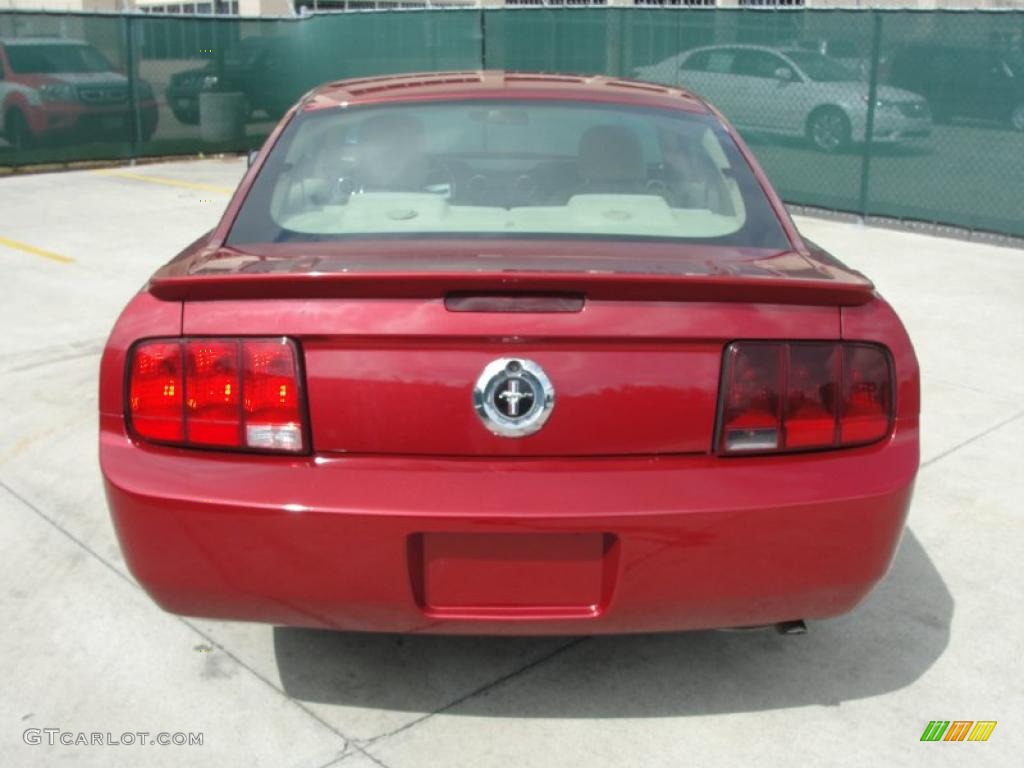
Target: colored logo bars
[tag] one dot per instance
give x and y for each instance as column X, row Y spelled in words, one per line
column 958, row 730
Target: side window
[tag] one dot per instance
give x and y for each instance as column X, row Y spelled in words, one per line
column 698, row 62
column 756, row 64
column 3, row 64
column 720, row 61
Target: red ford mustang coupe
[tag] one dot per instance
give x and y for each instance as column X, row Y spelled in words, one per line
column 483, row 352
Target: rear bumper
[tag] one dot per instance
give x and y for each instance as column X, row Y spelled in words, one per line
column 897, row 127
column 891, row 126
column 596, row 546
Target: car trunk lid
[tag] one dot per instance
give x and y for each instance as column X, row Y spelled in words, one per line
column 391, row 357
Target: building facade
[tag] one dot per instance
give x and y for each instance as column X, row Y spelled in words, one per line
column 296, row 7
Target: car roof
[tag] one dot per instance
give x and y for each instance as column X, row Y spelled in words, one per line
column 786, row 50
column 498, row 84
column 744, row 46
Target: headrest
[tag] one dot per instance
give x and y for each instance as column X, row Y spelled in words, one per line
column 391, row 152
column 610, row 153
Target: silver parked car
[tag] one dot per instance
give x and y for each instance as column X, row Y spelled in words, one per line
column 793, row 92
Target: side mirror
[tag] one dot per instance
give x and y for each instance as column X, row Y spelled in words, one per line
column 784, row 74
column 251, row 157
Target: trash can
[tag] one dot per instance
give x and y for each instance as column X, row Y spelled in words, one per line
column 222, row 117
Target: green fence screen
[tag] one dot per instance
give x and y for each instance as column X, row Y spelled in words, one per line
column 908, row 114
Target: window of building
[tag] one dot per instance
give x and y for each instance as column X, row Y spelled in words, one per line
column 555, row 2
column 690, row 3
column 221, row 7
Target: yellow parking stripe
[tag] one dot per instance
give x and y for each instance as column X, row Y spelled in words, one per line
column 35, row 251
column 168, row 182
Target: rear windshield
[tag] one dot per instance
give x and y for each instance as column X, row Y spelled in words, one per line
column 55, row 58
column 514, row 169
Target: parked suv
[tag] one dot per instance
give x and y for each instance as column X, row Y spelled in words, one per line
column 263, row 69
column 963, row 82
column 53, row 87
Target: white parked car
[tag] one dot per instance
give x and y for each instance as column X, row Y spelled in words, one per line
column 794, row 92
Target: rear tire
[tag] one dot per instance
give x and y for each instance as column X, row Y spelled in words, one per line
column 186, row 116
column 828, row 129
column 17, row 132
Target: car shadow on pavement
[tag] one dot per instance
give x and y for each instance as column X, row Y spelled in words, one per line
column 885, row 644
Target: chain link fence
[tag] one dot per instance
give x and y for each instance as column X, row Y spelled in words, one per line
column 906, row 114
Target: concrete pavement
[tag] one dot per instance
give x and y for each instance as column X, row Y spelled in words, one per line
column 84, row 650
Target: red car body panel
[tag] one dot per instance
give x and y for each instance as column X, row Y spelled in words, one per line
column 406, row 516
column 337, row 542
column 361, row 353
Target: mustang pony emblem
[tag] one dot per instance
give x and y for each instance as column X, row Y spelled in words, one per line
column 513, row 397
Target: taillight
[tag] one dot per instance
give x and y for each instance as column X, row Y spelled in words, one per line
column 753, row 402
column 156, row 391
column 212, row 386
column 867, row 394
column 791, row 396
column 272, row 412
column 221, row 393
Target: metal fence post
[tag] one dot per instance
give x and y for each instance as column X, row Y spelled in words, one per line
column 869, row 125
column 612, row 42
column 135, row 128
column 483, row 37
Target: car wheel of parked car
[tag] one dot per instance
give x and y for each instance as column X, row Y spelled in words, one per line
column 16, row 130
column 828, row 129
column 1017, row 117
column 247, row 110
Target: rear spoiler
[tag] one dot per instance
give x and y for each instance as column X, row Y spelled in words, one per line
column 770, row 289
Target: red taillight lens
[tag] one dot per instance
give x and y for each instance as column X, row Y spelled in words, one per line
column 867, row 394
column 803, row 395
column 156, row 390
column 211, row 384
column 226, row 393
column 273, row 419
column 811, row 388
column 752, row 419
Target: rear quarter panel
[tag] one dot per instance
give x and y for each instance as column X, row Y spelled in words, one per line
column 878, row 322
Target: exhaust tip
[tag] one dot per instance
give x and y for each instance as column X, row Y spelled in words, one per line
column 797, row 627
